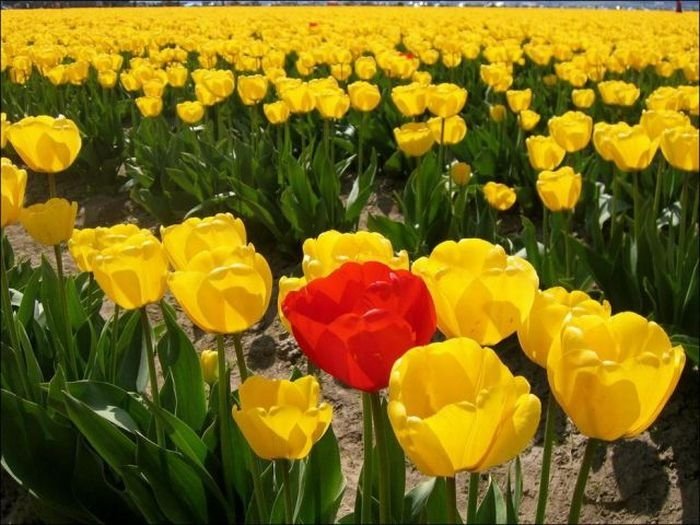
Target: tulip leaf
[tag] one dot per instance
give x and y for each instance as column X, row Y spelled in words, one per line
column 29, row 306
column 178, row 356
column 690, row 345
column 132, row 369
column 33, row 371
column 514, row 492
column 492, row 508
column 415, row 501
column 141, row 494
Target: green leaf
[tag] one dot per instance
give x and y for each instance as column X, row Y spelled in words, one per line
column 493, row 507
column 141, row 494
column 690, row 345
column 415, row 501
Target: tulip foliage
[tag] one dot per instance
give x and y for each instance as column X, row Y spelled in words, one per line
column 546, row 192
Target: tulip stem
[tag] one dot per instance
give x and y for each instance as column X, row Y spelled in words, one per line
column 657, row 192
column 366, row 511
column 384, row 501
column 240, row 358
column 684, row 218
column 223, row 387
column 147, row 335
column 637, row 206
column 115, row 321
column 452, row 515
column 546, row 458
column 284, row 465
column 52, row 185
column 577, row 500
column 473, row 496
column 68, row 332
column 567, row 256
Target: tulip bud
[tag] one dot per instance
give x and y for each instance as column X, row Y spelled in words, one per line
column 190, row 112
column 415, row 139
column 499, row 196
column 461, row 173
column 497, row 112
column 559, row 190
column 51, row 222
column 13, row 186
column 209, row 361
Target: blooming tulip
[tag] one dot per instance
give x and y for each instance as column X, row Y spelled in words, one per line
column 583, row 98
column 528, row 119
column 276, row 112
column 150, row 106
column 461, row 173
column 45, row 144
column 252, row 89
column 364, row 96
column 50, row 222
column 449, row 132
column 13, row 186
column 680, row 147
column 543, row 152
column 332, row 103
column 411, row 99
column 85, row 243
column 572, row 130
column 559, row 190
column 415, row 138
column 446, row 100
column 190, row 112
column 519, row 100
column 499, row 196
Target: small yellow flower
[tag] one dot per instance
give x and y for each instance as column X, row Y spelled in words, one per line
column 190, row 111
column 415, row 139
column 13, row 186
column 50, row 222
column 209, row 362
column 499, row 196
column 559, row 190
column 45, row 144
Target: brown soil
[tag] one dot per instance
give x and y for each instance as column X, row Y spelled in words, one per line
column 650, row 479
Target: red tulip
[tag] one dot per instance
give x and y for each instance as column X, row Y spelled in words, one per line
column 360, row 319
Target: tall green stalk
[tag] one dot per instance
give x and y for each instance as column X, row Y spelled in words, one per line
column 224, row 388
column 577, row 500
column 69, row 353
column 473, row 496
column 240, row 358
column 546, row 459
column 113, row 356
column 452, row 514
column 383, row 452
column 366, row 510
column 284, row 465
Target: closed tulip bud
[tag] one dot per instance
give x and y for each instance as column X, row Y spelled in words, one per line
column 177, row 76
column 499, row 196
column 559, row 190
column 209, row 362
column 680, row 147
column 182, row 242
column 225, row 290
column 572, row 130
column 276, row 112
column 631, row 149
column 84, row 244
column 219, row 82
column 190, row 112
column 455, row 129
column 461, row 173
column 519, row 100
column 437, row 388
column 252, row 89
column 528, row 119
column 132, row 273
column 107, row 79
column 150, row 106
column 497, row 112
column 613, row 376
column 365, row 67
column 14, row 184
column 204, row 96
column 618, row 93
column 299, row 98
column 446, row 100
column 583, row 98
column 543, row 152
column 655, row 122
column 415, row 138
column 411, row 99
column 551, row 309
column 4, row 126
column 478, row 290
column 45, row 144
column 129, row 81
column 364, row 96
column 282, row 419
column 50, row 222
column 332, row 103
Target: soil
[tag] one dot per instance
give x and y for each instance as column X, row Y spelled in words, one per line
column 649, row 479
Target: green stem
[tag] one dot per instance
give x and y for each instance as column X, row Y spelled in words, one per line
column 360, row 142
column 224, row 415
column 240, row 358
column 613, row 204
column 637, row 206
column 52, row 185
column 684, row 217
column 452, row 515
column 115, row 321
column 657, row 192
column 546, row 458
column 366, row 511
column 260, row 499
column 384, row 496
column 473, row 496
column 68, row 349
column 284, row 465
column 577, row 500
column 152, row 372
column 567, row 258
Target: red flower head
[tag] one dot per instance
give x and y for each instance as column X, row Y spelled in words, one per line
column 360, row 319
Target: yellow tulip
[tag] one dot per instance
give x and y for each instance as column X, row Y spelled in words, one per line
column 150, row 106
column 497, row 112
column 411, row 99
column 45, row 144
column 220, row 82
column 252, row 89
column 528, row 119
column 365, row 67
column 552, row 308
column 583, row 98
column 107, row 79
column 204, row 96
column 4, row 126
column 332, row 103
column 478, row 290
column 446, row 100
column 282, row 419
column 13, row 186
column 618, row 93
column 559, row 190
column 341, row 71
column 276, row 112
column 499, row 196
column 414, row 139
column 461, row 173
column 190, row 112
column 182, row 242
column 209, row 362
column 153, row 88
column 129, row 81
column 613, row 376
column 225, row 290
column 57, row 75
column 177, row 75
column 300, row 98
column 132, row 273
column 85, row 243
column 457, row 384
column 424, row 78
column 543, row 152
column 50, row 222
column 455, row 129
column 680, row 147
column 665, row 97
column 519, row 100
column 655, row 122
column 572, row 130
column 601, row 131
column 497, row 76
column 364, row 96
column 689, row 99
column 631, row 149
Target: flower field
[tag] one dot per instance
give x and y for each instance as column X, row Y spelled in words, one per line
column 350, row 264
